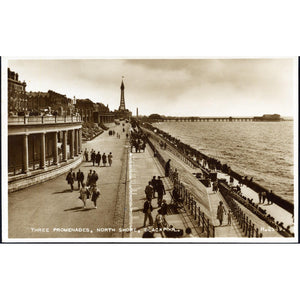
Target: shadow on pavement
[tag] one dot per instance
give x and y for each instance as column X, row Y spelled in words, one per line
column 74, row 208
column 64, row 191
column 83, row 209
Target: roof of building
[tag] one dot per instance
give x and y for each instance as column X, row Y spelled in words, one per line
column 38, row 94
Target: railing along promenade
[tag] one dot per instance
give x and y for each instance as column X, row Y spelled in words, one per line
column 42, row 120
column 195, row 156
column 231, row 197
column 188, row 198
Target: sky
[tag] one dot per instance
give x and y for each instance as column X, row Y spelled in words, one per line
column 171, row 87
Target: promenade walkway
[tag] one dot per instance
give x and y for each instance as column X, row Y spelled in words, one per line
column 52, row 207
column 274, row 210
column 142, row 167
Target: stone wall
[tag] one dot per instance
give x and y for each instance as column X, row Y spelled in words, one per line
column 39, row 176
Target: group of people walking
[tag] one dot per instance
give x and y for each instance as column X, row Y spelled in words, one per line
column 88, row 189
column 263, row 196
column 96, row 158
column 155, row 186
column 221, row 211
column 137, row 141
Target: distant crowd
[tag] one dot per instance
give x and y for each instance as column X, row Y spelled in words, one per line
column 137, row 141
column 96, row 158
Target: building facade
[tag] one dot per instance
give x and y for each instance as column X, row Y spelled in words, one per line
column 39, row 143
column 17, row 98
column 52, row 102
column 94, row 112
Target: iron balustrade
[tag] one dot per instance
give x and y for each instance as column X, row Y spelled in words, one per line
column 213, row 163
column 247, row 226
column 225, row 190
column 43, row 120
column 188, row 198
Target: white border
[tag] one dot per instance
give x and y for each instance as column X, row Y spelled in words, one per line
column 5, row 238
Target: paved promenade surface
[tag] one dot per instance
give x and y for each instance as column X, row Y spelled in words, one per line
column 274, row 210
column 213, row 201
column 52, row 206
column 142, row 167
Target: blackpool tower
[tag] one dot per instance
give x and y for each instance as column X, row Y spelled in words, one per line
column 122, row 100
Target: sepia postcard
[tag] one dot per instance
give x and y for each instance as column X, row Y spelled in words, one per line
column 173, row 150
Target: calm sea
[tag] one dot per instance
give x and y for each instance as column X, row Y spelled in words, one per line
column 263, row 150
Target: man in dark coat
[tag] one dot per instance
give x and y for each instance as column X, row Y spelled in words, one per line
column 147, row 210
column 104, row 159
column 164, row 208
column 79, row 178
column 93, row 157
column 149, row 191
column 167, row 168
column 153, row 184
column 89, row 178
column 71, row 178
column 160, row 190
column 98, row 158
column 94, row 178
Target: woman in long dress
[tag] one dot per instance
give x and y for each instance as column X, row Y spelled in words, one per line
column 83, row 194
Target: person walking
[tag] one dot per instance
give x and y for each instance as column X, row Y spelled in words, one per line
column 95, row 195
column 71, row 178
column 259, row 197
column 153, row 184
column 215, row 186
column 79, row 178
column 160, row 191
column 110, row 158
column 98, row 158
column 104, row 159
column 271, row 197
column 89, row 177
column 149, row 191
column 167, row 168
column 229, row 217
column 84, row 194
column 220, row 212
column 94, row 178
column 86, row 154
column 164, row 208
column 93, row 157
column 264, row 195
column 147, row 210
